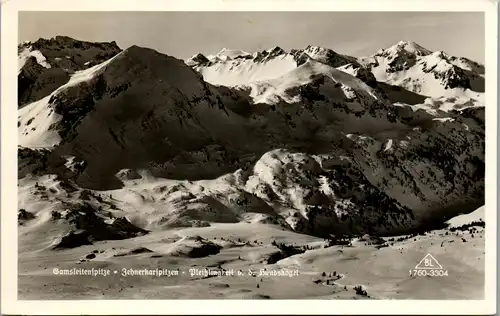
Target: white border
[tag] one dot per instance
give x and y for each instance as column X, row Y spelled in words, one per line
column 10, row 304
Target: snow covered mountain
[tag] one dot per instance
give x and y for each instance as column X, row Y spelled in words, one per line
column 433, row 74
column 305, row 139
column 235, row 67
column 405, row 71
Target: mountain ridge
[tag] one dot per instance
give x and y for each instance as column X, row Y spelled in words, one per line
column 383, row 66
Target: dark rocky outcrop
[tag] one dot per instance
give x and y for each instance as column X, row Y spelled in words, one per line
column 136, row 251
column 89, row 225
column 204, row 250
column 73, row 239
column 23, row 216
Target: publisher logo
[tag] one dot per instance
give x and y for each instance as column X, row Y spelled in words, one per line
column 429, row 266
column 428, row 262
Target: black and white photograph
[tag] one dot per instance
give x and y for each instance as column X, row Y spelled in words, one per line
column 252, row 155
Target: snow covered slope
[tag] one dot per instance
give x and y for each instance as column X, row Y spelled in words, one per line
column 465, row 219
column 237, row 69
column 336, row 85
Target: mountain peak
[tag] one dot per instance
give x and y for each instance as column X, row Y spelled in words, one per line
column 329, row 56
column 408, row 47
column 405, row 43
column 318, row 50
column 227, row 53
column 136, row 48
column 196, row 59
column 143, row 53
column 276, row 50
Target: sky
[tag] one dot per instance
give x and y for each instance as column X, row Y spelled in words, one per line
column 183, row 34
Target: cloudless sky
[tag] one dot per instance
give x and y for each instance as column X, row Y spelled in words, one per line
column 182, row 34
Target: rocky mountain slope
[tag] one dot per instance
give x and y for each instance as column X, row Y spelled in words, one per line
column 45, row 65
column 307, row 140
